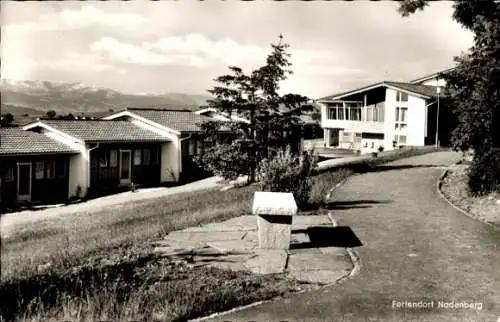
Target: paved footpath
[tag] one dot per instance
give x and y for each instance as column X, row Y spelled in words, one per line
column 415, row 248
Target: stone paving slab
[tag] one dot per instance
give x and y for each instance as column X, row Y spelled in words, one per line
column 242, row 223
column 267, row 261
column 205, row 236
column 299, row 238
column 252, row 236
column 334, row 251
column 233, row 245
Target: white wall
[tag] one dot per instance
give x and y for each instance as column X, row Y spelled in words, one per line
column 369, row 142
column 416, row 121
column 78, row 174
column 170, row 161
column 390, row 117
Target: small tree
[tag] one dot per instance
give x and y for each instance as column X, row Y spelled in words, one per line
column 272, row 119
column 51, row 114
column 6, row 120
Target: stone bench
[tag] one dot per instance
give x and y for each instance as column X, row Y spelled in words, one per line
column 274, row 221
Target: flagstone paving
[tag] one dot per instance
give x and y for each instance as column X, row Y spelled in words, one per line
column 233, row 245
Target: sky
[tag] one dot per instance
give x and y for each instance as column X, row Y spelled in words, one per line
column 181, row 46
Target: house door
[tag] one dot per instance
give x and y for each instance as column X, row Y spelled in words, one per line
column 24, row 181
column 125, row 166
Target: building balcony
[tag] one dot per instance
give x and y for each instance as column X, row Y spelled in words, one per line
column 354, row 117
column 354, row 126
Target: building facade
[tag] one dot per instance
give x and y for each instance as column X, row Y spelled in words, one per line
column 385, row 115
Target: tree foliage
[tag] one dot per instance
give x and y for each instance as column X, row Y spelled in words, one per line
column 51, row 114
column 474, row 87
column 6, row 119
column 272, row 119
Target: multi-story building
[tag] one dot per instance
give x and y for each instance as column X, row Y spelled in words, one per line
column 386, row 114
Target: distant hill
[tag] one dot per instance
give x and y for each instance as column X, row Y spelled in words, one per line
column 35, row 98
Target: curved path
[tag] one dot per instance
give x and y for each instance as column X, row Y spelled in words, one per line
column 415, row 248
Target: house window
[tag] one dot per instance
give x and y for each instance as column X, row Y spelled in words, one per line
column 332, row 113
column 61, row 168
column 401, row 114
column 335, row 111
column 9, row 174
column 156, row 156
column 146, row 156
column 39, row 169
column 137, row 157
column 401, row 118
column 401, row 97
column 353, row 111
column 199, row 147
column 51, row 169
column 113, row 158
column 400, row 139
column 192, row 147
column 103, row 160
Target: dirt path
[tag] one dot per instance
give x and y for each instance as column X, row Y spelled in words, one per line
column 416, row 248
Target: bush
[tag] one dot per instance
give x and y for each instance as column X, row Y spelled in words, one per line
column 287, row 172
column 484, row 173
column 225, row 160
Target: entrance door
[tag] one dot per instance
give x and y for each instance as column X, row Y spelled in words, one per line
column 125, row 166
column 24, row 181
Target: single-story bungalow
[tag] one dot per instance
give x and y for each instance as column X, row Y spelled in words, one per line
column 56, row 160
column 33, row 167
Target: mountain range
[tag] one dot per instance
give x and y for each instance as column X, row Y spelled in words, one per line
column 31, row 99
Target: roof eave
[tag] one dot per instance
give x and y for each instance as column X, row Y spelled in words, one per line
column 37, row 153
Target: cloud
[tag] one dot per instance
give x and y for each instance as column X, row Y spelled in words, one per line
column 127, row 53
column 73, row 62
column 80, row 62
column 196, row 50
column 86, row 16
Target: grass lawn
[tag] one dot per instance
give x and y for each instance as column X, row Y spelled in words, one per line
column 61, row 240
column 485, row 208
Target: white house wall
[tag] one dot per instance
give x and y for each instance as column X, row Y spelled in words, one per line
column 170, row 162
column 78, row 175
column 416, row 121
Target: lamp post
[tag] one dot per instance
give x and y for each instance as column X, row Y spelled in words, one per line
column 438, row 90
